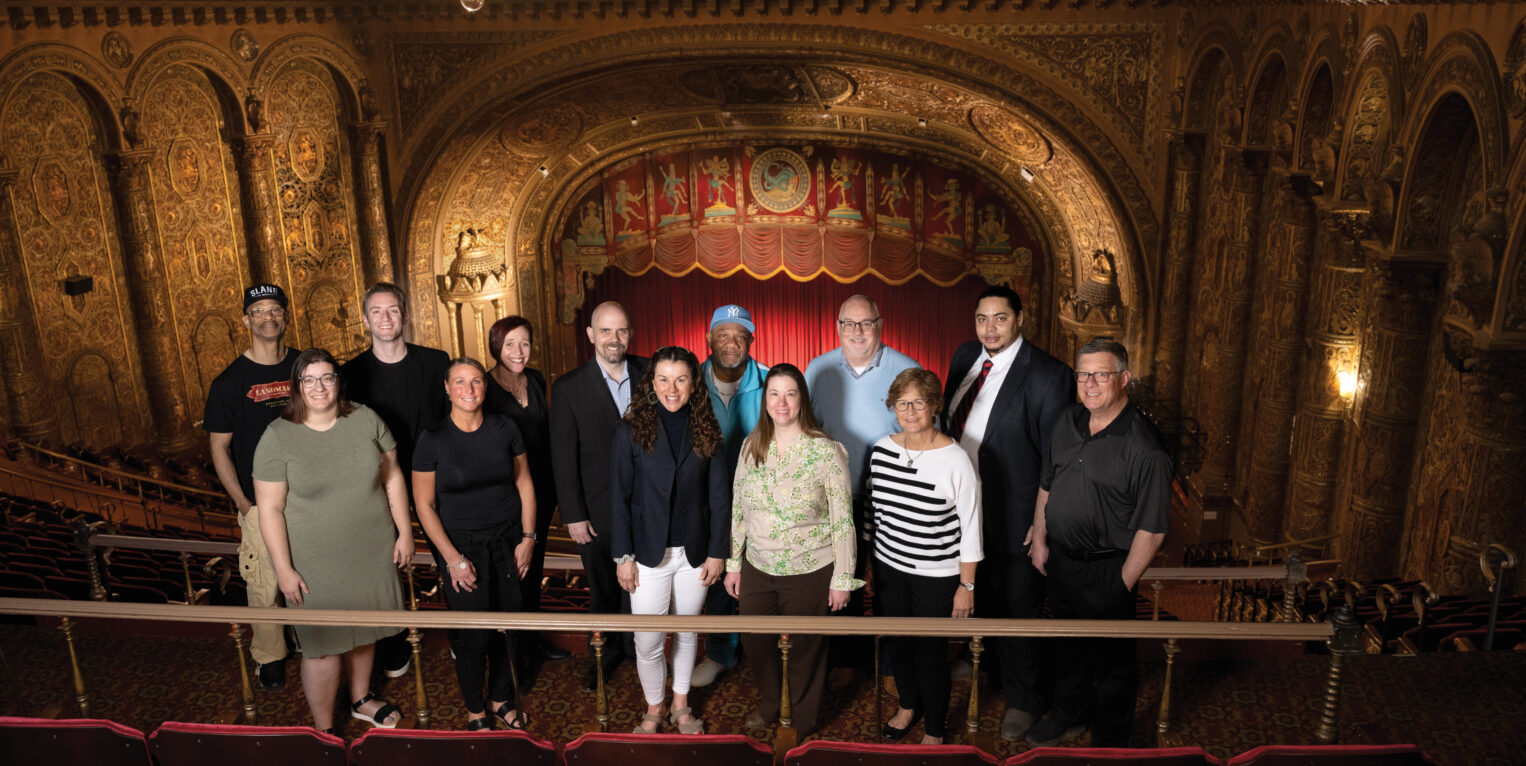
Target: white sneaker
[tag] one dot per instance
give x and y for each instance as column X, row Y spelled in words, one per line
column 706, row 672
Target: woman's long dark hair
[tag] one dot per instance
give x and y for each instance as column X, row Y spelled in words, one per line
column 296, row 407
column 756, row 447
column 642, row 417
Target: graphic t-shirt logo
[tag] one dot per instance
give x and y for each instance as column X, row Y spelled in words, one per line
column 274, row 391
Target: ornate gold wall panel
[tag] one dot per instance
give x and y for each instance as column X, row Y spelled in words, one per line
column 30, row 414
column 200, row 227
column 318, row 229
column 66, row 227
column 1181, row 253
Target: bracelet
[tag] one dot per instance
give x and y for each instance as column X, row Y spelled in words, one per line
column 626, row 559
column 462, row 564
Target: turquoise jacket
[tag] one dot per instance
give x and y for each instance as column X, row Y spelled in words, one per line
column 738, row 420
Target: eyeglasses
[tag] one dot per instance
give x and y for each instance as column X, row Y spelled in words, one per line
column 910, row 404
column 848, row 325
column 1102, row 376
column 328, row 380
column 273, row 313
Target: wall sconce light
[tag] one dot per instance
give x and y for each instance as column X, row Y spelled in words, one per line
column 471, row 6
column 921, row 122
column 1347, row 381
column 634, row 121
column 544, row 171
column 1026, row 174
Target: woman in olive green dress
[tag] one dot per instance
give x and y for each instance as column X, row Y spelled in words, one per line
column 334, row 514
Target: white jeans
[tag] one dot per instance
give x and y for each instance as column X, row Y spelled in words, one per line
column 671, row 587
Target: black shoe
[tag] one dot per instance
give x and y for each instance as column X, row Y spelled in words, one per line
column 273, row 675
column 1053, row 730
column 480, row 724
column 551, row 652
column 895, row 733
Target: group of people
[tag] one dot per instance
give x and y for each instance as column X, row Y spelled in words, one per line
column 720, row 487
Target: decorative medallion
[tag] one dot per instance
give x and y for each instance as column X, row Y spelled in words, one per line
column 361, row 40
column 184, row 167
column 306, row 154
column 780, row 180
column 116, row 50
column 313, row 224
column 199, row 256
column 1413, row 53
column 542, row 129
column 51, row 185
column 244, row 46
column 1011, row 134
column 832, row 85
column 1515, row 72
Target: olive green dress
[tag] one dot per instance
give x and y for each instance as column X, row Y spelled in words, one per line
column 337, row 523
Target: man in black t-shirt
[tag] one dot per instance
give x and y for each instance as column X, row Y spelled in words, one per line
column 405, row 384
column 243, row 400
column 1103, row 509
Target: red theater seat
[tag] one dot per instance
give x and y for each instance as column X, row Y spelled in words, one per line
column 81, row 740
column 597, row 749
column 1077, row 756
column 822, row 753
column 403, row 747
column 197, row 744
column 1332, row 755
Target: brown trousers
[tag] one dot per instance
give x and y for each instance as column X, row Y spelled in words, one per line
column 797, row 596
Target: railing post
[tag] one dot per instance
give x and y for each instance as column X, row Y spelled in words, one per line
column 1347, row 640
column 601, row 705
column 80, row 696
column 190, row 588
column 1496, row 581
column 82, row 537
column 786, row 737
column 243, row 674
column 972, row 710
column 1298, row 573
column 420, row 698
column 1163, row 721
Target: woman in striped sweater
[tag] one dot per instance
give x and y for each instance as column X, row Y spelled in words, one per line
column 926, row 500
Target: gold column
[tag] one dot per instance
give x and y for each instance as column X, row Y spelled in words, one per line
column 256, row 172
column 1176, row 282
column 1270, row 396
column 81, row 697
column 148, row 285
column 1331, row 341
column 1399, row 303
column 1224, row 366
column 250, row 715
column 26, row 387
column 601, row 703
column 371, row 201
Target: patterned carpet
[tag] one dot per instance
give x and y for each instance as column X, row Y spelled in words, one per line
column 1461, row 708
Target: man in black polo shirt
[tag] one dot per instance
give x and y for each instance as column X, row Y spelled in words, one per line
column 1103, row 507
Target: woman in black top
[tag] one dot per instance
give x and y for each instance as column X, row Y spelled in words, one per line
column 472, row 490
column 519, row 391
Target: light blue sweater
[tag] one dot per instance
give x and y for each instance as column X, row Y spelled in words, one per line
column 852, row 407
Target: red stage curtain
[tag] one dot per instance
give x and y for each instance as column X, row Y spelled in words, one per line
column 796, row 320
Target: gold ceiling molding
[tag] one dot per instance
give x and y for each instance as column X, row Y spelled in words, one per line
column 425, row 64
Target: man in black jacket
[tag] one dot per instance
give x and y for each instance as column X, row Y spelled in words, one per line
column 1004, row 397
column 586, row 406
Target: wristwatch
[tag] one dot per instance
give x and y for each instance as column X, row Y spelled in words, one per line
column 969, row 586
column 531, row 536
column 462, row 564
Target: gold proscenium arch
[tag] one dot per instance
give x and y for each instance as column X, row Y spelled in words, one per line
column 515, row 160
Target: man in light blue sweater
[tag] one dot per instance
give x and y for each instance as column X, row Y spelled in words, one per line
column 735, row 382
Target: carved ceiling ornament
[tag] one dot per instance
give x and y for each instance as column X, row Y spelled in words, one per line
column 1413, row 55
column 1515, row 72
column 425, row 64
column 243, row 46
column 766, row 82
column 1184, row 30
column 116, row 50
column 543, row 129
column 1011, row 134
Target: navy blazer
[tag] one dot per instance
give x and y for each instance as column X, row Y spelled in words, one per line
column 650, row 490
column 1035, row 392
column 583, row 421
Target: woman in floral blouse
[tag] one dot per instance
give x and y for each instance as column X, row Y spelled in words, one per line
column 791, row 541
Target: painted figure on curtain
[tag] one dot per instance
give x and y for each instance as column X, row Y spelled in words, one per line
column 673, row 205
column 846, row 186
column 779, row 180
column 947, row 207
column 627, row 208
column 625, row 194
column 720, row 192
column 991, row 236
column 894, row 200
column 591, row 225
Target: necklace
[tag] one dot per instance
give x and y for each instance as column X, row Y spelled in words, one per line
column 911, row 459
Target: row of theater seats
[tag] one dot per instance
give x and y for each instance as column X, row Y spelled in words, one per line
column 198, row 472
column 104, row 743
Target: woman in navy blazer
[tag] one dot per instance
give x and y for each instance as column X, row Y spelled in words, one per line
column 670, row 519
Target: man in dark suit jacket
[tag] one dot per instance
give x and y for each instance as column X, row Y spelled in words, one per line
column 586, row 406
column 1004, row 397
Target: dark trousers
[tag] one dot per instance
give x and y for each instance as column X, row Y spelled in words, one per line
column 920, row 663
column 605, row 596
column 484, row 653
column 1096, row 676
column 855, row 651
column 799, row 596
column 1011, row 587
column 530, row 586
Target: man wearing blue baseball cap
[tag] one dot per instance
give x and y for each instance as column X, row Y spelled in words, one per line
column 735, row 381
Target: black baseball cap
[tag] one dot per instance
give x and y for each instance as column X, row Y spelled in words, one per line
column 265, row 292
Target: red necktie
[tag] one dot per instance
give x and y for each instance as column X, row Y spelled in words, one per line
column 962, row 412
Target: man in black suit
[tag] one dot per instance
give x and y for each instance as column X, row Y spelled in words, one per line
column 586, row 406
column 1004, row 397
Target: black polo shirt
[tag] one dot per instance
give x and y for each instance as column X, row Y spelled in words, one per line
column 1104, row 487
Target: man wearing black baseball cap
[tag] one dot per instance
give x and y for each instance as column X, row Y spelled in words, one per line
column 244, row 398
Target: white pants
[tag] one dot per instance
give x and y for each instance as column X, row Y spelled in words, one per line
column 671, row 587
